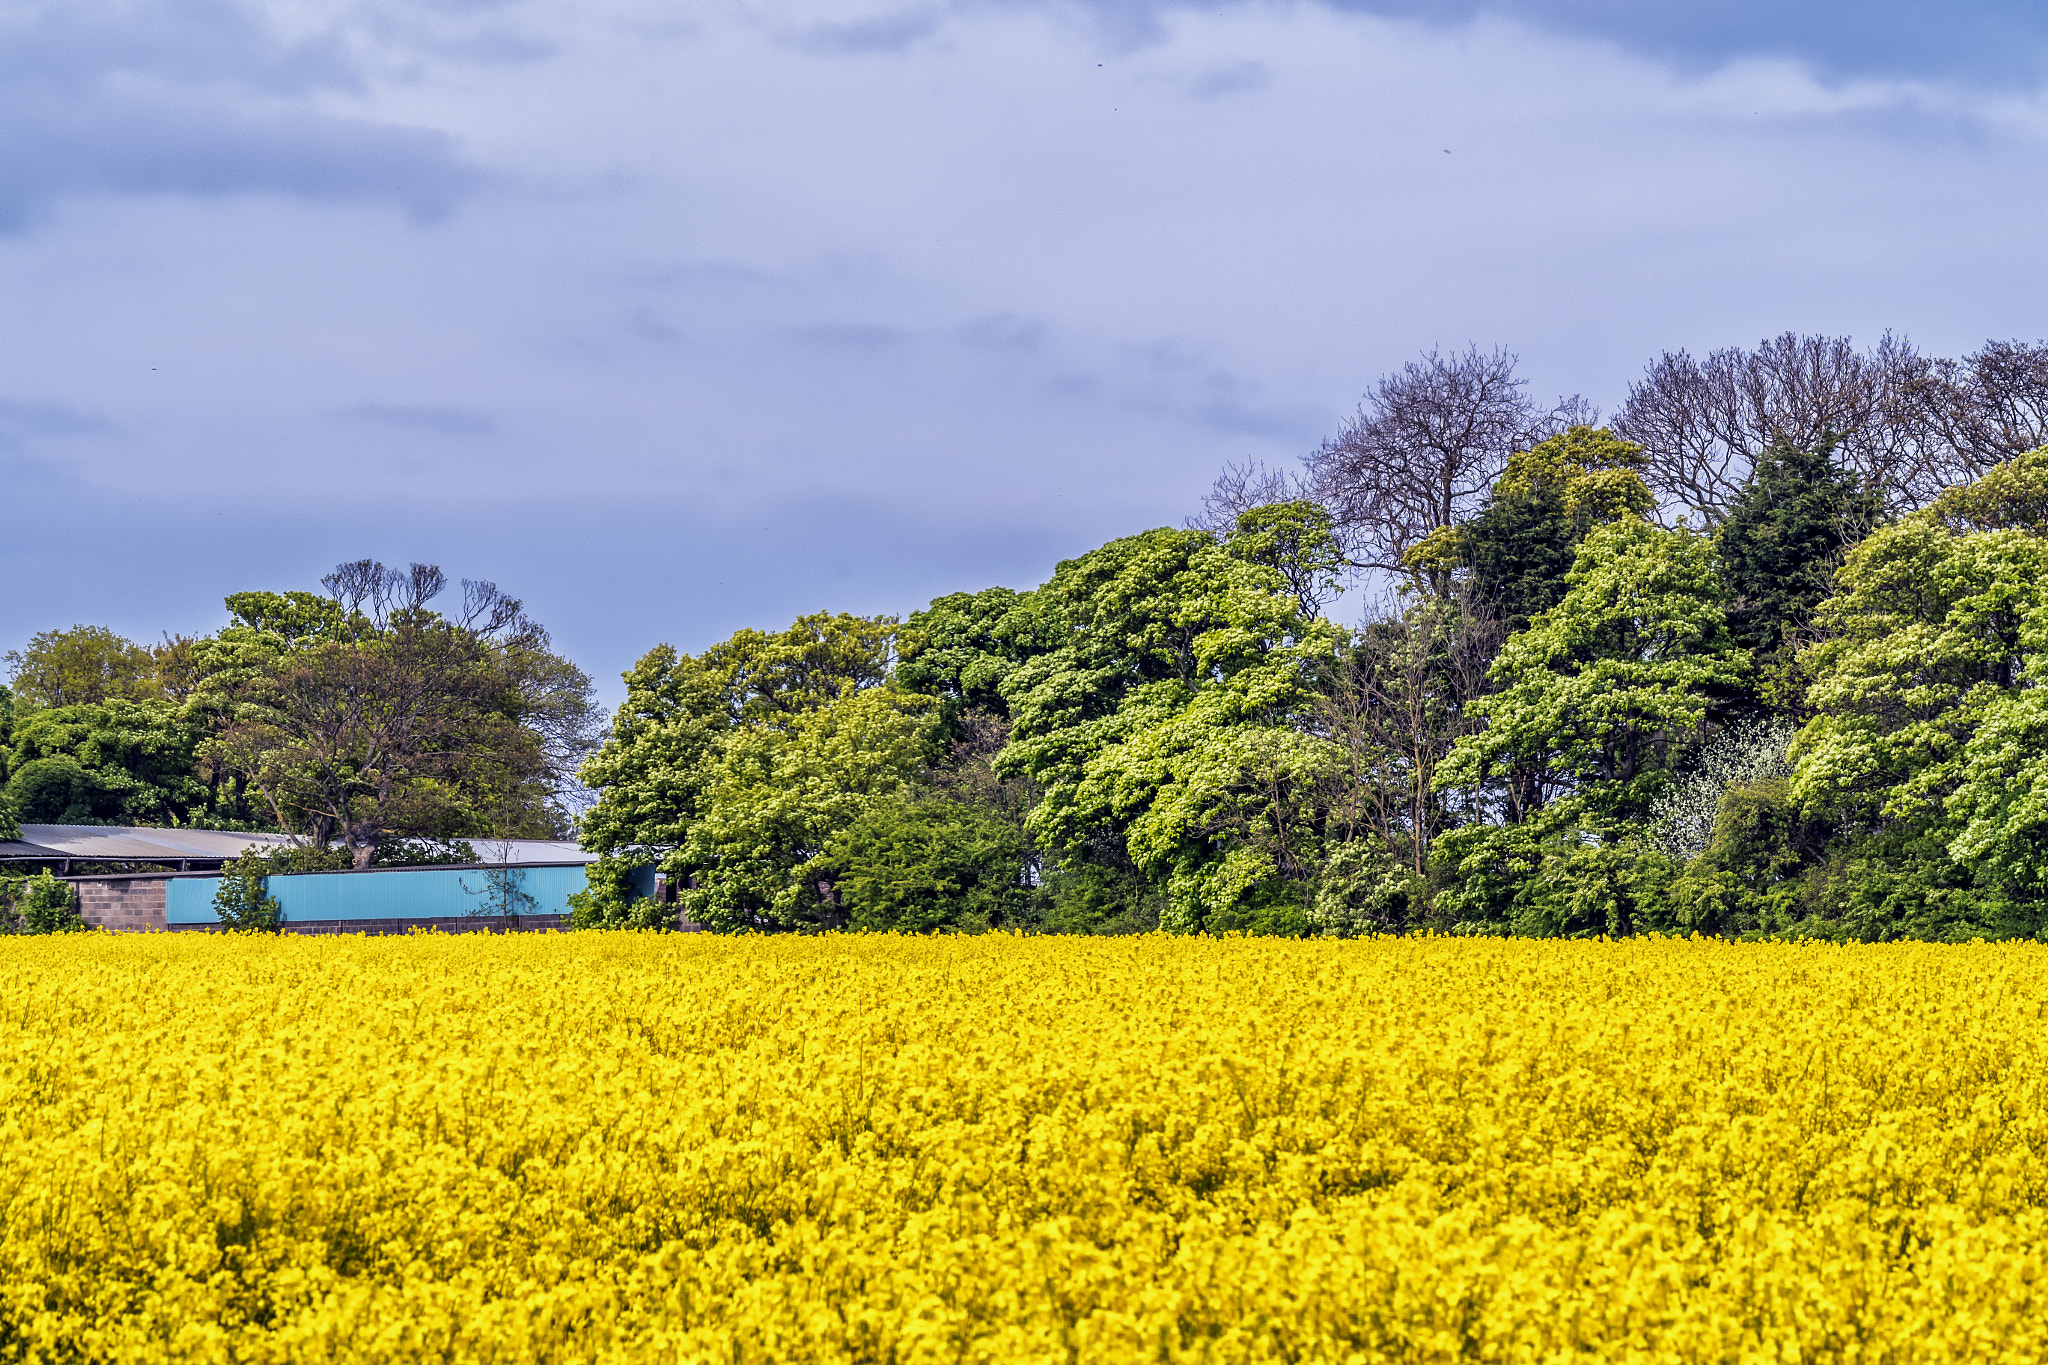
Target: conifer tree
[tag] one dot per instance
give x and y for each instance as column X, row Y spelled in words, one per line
column 1783, row 540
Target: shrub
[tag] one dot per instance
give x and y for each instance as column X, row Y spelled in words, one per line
column 916, row 866
column 1682, row 817
column 609, row 900
column 243, row 901
column 39, row 905
column 1362, row 891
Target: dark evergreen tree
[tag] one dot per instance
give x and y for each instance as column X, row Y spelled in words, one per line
column 1784, row 539
column 1520, row 548
column 1521, row 545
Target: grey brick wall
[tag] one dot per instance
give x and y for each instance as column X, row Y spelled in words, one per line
column 123, row 904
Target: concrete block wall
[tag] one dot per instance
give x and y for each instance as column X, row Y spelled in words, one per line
column 123, row 904
column 466, row 924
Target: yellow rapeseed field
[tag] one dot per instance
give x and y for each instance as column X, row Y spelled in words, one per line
column 628, row 1147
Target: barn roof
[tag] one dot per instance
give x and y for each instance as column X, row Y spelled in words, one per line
column 130, row 844
column 137, row 844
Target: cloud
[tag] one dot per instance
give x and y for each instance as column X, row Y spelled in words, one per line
column 181, row 147
column 198, row 97
column 1230, row 79
column 880, row 33
column 77, row 46
column 853, row 336
column 1004, row 332
column 1999, row 40
column 19, row 421
column 2002, row 41
column 431, row 420
column 27, row 459
column 1017, row 286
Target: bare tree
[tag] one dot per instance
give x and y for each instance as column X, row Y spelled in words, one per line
column 1975, row 412
column 1392, row 712
column 1703, row 425
column 1421, row 452
column 1239, row 489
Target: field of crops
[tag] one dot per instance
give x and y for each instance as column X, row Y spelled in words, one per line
column 626, row 1147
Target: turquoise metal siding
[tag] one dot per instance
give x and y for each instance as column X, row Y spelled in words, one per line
column 420, row 893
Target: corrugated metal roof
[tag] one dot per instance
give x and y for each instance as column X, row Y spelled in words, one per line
column 530, row 851
column 124, row 844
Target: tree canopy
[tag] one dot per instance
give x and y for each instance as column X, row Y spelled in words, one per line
column 1762, row 657
column 355, row 716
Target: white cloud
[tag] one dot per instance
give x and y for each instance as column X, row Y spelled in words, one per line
column 981, row 266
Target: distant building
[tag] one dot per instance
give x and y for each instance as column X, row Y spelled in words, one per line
column 133, row 879
column 57, row 847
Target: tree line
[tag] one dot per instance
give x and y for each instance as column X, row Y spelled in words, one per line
column 1755, row 656
column 366, row 720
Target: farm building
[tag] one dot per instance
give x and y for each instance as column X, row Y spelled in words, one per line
column 132, row 879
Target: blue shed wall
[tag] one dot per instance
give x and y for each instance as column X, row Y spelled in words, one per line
column 413, row 893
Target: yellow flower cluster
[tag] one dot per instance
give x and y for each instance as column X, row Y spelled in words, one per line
column 638, row 1148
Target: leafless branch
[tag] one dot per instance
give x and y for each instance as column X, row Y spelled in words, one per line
column 1237, row 490
column 1424, row 449
column 1394, row 709
column 487, row 611
column 1894, row 416
column 1975, row 412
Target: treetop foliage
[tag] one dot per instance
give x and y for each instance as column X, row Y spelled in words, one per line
column 1784, row 538
column 1814, row 713
column 80, row 667
column 1760, row 657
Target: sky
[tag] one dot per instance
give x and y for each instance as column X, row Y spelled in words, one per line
column 676, row 318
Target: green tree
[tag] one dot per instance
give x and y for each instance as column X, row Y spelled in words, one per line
column 1166, row 725
column 1927, row 631
column 1756, row 874
column 1520, row 548
column 769, row 677
column 2012, row 496
column 1594, row 697
column 400, row 721
column 412, row 731
column 122, row 762
column 219, row 679
column 1297, row 541
column 1931, row 722
column 1780, row 545
column 39, row 905
column 58, row 791
column 1909, row 810
column 81, row 666
column 668, row 748
column 914, row 865
column 963, row 647
column 650, row 777
column 777, row 798
column 1363, row 889
column 243, row 900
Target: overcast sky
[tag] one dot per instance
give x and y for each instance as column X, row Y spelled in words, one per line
column 673, row 318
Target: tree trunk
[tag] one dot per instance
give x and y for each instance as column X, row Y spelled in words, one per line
column 362, row 844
